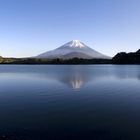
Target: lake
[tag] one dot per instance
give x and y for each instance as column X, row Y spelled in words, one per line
column 66, row 102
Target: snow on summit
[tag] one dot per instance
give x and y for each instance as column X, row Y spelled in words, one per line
column 74, row 44
column 77, row 43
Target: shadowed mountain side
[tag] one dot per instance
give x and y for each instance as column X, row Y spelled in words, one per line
column 127, row 58
column 76, row 55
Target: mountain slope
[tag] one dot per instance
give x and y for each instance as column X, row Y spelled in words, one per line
column 76, row 55
column 71, row 49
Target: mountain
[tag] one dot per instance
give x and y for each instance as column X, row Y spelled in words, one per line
column 73, row 49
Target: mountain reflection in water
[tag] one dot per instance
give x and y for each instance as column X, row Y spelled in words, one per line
column 76, row 81
column 75, row 76
column 42, row 104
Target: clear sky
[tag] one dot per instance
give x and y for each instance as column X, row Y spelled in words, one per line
column 30, row 27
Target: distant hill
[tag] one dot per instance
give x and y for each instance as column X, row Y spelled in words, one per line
column 1, row 59
column 73, row 49
column 127, row 58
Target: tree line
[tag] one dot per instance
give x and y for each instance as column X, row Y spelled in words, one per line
column 120, row 58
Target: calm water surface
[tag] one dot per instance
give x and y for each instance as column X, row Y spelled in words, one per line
column 83, row 102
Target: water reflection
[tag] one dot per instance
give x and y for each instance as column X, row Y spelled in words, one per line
column 40, row 100
column 75, row 77
column 74, row 80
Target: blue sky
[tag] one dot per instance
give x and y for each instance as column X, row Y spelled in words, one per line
column 30, row 27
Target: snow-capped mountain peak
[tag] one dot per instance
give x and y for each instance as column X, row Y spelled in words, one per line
column 77, row 43
column 72, row 49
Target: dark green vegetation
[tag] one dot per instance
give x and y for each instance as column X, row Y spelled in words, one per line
column 53, row 61
column 7, row 60
column 120, row 58
column 127, row 58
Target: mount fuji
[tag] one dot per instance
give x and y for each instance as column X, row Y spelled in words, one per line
column 73, row 49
